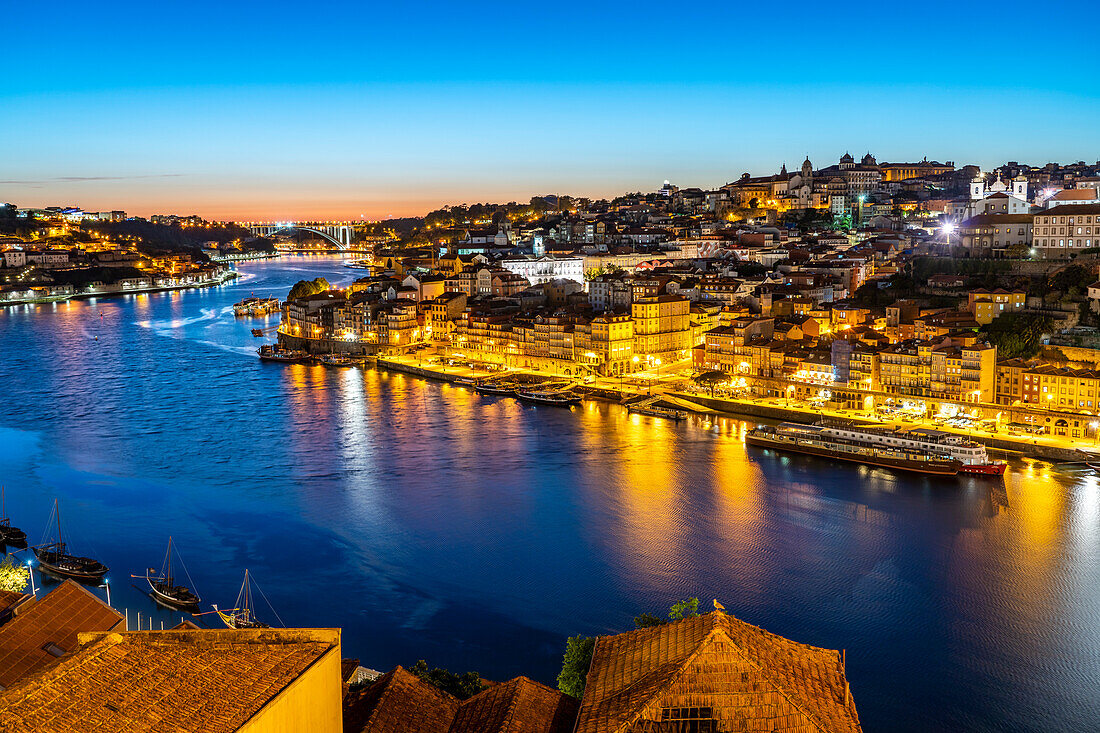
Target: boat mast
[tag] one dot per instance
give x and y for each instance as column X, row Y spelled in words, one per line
column 57, row 513
column 168, row 575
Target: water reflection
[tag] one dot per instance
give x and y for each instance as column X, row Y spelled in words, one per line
column 477, row 532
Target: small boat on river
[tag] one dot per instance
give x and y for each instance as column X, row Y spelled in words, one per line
column 9, row 535
column 337, row 360
column 655, row 411
column 495, row 387
column 253, row 306
column 243, row 616
column 550, row 397
column 269, row 352
column 55, row 558
column 164, row 589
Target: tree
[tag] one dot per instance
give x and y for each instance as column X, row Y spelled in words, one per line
column 575, row 663
column 305, row 288
column 13, row 578
column 686, row 608
column 646, row 620
column 461, row 686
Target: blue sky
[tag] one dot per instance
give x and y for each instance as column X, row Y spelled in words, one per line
column 294, row 110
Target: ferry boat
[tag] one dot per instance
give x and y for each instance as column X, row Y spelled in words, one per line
column 54, row 558
column 555, row 398
column 811, row 440
column 653, row 411
column 268, row 352
column 253, row 306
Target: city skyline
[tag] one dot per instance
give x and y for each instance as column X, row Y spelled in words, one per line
column 359, row 112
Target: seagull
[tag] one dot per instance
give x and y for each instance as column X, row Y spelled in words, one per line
column 718, row 606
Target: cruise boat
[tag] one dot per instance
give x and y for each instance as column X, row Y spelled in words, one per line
column 971, row 455
column 918, row 450
column 810, row 440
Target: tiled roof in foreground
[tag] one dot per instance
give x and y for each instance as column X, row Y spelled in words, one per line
column 210, row 681
column 519, row 705
column 45, row 629
column 714, row 668
column 400, row 702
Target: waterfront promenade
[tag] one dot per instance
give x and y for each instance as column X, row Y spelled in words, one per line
column 694, row 398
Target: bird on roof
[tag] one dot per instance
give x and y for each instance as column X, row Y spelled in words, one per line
column 718, row 606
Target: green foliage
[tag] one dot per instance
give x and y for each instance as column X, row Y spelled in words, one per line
column 305, row 288
column 1017, row 334
column 461, row 686
column 13, row 578
column 686, row 608
column 646, row 620
column 1074, row 278
column 575, row 663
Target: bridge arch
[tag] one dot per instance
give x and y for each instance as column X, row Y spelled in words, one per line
column 340, row 236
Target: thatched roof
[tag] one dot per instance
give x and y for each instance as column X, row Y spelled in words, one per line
column 714, row 667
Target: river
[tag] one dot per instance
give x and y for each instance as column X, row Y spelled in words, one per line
column 477, row 533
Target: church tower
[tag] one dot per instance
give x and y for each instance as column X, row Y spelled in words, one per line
column 807, row 169
column 1019, row 187
column 977, row 188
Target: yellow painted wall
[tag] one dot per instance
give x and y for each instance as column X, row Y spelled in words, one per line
column 312, row 703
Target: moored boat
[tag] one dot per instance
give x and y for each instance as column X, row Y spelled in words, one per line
column 9, row 535
column 971, row 455
column 253, row 306
column 164, row 589
column 554, row 398
column 653, row 411
column 337, row 360
column 810, row 440
column 268, row 352
column 495, row 387
column 243, row 615
column 55, row 558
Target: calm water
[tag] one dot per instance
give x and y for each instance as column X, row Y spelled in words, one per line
column 430, row 522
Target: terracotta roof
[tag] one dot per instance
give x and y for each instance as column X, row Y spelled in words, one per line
column 1075, row 194
column 399, row 701
column 714, row 667
column 9, row 599
column 51, row 622
column 519, row 705
column 213, row 681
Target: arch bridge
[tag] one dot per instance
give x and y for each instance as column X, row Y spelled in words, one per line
column 339, row 234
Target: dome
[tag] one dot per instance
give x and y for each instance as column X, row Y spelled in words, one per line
column 846, row 158
column 868, row 160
